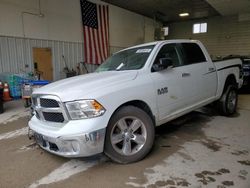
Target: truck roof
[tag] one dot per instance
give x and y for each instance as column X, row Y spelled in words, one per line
column 162, row 41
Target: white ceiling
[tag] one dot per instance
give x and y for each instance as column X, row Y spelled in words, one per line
column 230, row 7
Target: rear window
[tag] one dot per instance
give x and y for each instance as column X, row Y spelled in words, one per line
column 192, row 53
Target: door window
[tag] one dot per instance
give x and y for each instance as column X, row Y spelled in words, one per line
column 192, row 53
column 170, row 51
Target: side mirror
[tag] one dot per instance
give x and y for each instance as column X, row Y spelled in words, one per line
column 164, row 63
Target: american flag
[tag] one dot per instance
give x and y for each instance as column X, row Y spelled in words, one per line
column 95, row 31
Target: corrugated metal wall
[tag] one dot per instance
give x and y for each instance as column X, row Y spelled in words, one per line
column 16, row 54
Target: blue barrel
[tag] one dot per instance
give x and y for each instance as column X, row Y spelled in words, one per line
column 39, row 82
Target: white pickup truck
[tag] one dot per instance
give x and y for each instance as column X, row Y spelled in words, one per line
column 115, row 110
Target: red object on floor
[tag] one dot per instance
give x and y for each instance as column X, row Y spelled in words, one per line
column 6, row 92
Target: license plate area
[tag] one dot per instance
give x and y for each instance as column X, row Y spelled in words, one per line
column 40, row 140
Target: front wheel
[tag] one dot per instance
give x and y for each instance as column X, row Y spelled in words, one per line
column 229, row 100
column 130, row 135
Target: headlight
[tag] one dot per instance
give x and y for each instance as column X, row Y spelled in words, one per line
column 84, row 109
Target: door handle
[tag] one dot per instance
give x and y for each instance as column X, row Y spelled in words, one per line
column 185, row 74
column 210, row 69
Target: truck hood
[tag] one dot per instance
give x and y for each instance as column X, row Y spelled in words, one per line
column 79, row 86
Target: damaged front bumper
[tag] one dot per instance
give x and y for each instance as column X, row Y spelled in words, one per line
column 70, row 145
column 82, row 145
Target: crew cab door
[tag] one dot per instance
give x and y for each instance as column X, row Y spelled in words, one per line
column 173, row 86
column 202, row 71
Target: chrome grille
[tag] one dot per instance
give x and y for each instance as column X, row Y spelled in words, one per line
column 49, row 108
column 54, row 117
column 48, row 103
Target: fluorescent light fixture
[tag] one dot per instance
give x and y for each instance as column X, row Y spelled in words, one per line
column 184, row 14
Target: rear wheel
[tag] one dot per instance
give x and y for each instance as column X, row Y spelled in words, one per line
column 130, row 135
column 229, row 100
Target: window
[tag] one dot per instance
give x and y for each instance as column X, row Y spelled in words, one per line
column 192, row 53
column 200, row 28
column 170, row 51
column 130, row 59
column 166, row 30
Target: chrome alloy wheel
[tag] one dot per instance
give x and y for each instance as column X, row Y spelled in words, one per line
column 128, row 136
column 232, row 98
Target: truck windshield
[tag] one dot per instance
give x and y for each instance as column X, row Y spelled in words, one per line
column 130, row 59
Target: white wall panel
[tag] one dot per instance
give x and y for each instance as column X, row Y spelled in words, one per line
column 62, row 23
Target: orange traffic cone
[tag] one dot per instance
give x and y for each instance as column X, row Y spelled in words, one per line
column 1, row 84
column 6, row 92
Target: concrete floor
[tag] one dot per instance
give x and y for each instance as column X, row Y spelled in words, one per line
column 205, row 150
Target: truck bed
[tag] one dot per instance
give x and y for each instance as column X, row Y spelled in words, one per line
column 225, row 68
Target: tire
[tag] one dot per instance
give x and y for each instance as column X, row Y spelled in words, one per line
column 228, row 101
column 1, row 106
column 129, row 135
